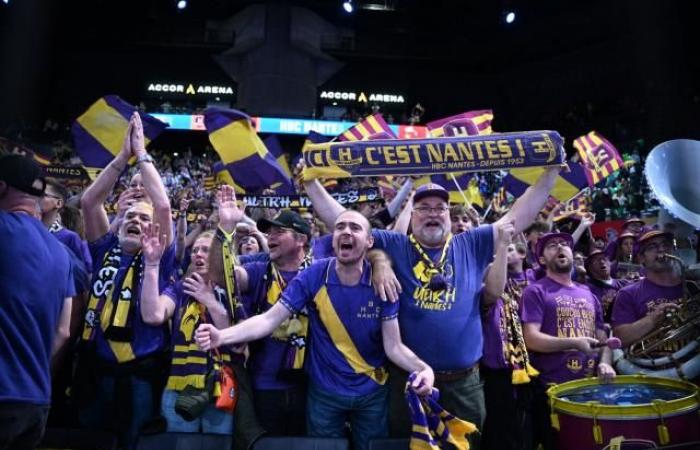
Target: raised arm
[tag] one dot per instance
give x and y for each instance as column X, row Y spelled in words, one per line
column 325, row 206
column 151, row 180
column 586, row 222
column 495, row 281
column 94, row 197
column 403, row 357
column 155, row 309
column 181, row 229
column 525, row 209
column 208, row 337
column 404, row 220
column 394, row 206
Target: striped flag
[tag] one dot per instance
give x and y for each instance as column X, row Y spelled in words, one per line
column 98, row 134
column 566, row 186
column 275, row 148
column 598, row 155
column 371, row 128
column 242, row 153
column 470, row 123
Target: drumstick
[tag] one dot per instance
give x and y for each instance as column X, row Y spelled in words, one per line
column 613, row 343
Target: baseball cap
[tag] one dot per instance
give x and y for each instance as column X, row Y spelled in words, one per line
column 286, row 219
column 23, row 174
column 431, row 190
column 591, row 257
column 542, row 241
column 649, row 235
column 633, row 220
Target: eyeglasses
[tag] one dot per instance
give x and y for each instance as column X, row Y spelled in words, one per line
column 425, row 210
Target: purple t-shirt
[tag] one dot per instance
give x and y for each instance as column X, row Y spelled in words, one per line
column 493, row 322
column 636, row 300
column 267, row 354
column 562, row 311
column 606, row 293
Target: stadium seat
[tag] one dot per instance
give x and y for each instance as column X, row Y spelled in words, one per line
column 78, row 439
column 301, row 443
column 184, row 441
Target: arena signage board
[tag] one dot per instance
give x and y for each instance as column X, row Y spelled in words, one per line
column 361, row 97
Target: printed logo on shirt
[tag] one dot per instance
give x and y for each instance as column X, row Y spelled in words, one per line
column 435, row 300
column 369, row 311
column 575, row 317
column 574, row 365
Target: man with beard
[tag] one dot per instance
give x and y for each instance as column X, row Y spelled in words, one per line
column 440, row 278
column 352, row 334
column 122, row 358
column 562, row 324
column 640, row 307
column 601, row 283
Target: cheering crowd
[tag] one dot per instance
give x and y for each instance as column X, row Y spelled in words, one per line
column 325, row 322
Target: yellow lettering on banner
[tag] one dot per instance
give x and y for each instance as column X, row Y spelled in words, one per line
column 434, row 153
column 521, row 150
column 465, row 151
column 476, row 146
column 317, row 158
column 504, row 148
column 345, row 154
column 402, row 154
column 491, row 149
column 368, row 155
column 389, row 153
column 416, row 152
column 450, row 153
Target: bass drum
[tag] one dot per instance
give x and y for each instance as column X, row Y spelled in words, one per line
column 589, row 415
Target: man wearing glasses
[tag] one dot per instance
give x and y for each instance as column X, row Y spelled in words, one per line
column 562, row 326
column 640, row 307
column 440, row 280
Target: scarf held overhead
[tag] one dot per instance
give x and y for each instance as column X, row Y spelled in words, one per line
column 437, row 155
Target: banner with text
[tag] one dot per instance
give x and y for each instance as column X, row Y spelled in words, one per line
column 499, row 151
column 348, row 197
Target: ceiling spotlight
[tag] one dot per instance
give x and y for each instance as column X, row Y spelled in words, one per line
column 510, row 17
column 347, row 6
column 182, row 4
column 6, row 1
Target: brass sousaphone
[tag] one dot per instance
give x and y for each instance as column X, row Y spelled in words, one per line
column 672, row 350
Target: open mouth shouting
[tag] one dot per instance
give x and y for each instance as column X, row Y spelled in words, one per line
column 133, row 230
column 433, row 224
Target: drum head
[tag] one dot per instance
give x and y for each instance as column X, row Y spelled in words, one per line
column 622, row 394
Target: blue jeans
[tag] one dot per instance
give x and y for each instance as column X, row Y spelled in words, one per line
column 101, row 410
column 212, row 421
column 327, row 412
